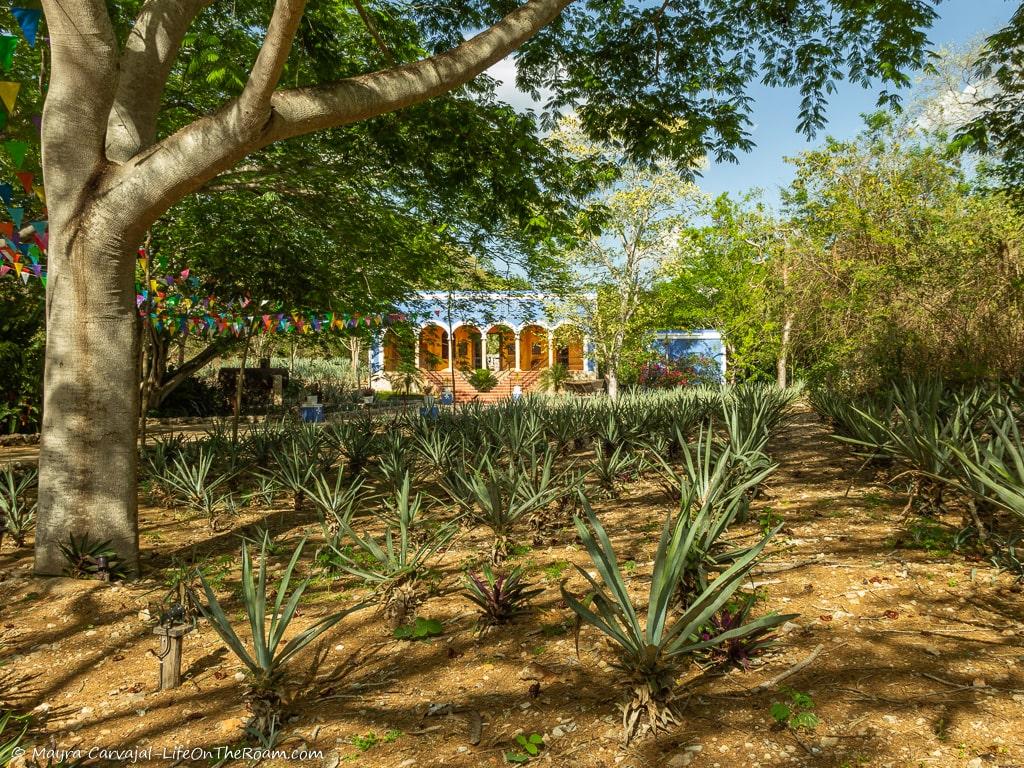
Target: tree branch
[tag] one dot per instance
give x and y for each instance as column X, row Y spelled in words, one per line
column 374, row 32
column 304, row 110
column 168, row 384
column 266, row 72
column 181, row 163
column 83, row 53
column 149, row 54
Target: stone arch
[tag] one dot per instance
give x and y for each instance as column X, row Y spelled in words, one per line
column 433, row 347
column 500, row 347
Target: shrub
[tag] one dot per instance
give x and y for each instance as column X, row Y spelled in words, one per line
column 650, row 656
column 686, row 371
column 17, row 509
column 395, row 565
column 87, row 557
column 483, row 380
column 553, row 379
column 500, row 599
column 268, row 662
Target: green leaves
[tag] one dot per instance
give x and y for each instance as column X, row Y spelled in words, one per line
column 530, row 745
column 268, row 658
column 796, row 713
column 655, row 650
column 420, row 629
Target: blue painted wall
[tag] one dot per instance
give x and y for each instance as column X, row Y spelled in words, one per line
column 674, row 345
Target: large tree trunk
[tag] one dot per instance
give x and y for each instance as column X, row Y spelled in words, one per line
column 87, row 458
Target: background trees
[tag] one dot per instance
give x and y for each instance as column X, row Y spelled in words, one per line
column 626, row 232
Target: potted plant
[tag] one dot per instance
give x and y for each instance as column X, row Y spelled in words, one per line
column 367, row 393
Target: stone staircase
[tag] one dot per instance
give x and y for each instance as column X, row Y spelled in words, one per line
column 467, row 393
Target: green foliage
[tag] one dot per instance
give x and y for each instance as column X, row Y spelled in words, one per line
column 483, row 379
column 193, row 484
column 498, row 496
column 530, row 746
column 553, row 378
column 356, row 440
column 17, row 507
column 396, row 564
column 335, row 502
column 420, row 629
column 84, row 558
column 12, row 732
column 651, row 654
column 500, row 599
column 267, row 663
column 796, row 713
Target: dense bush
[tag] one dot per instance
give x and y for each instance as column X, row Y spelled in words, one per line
column 689, row 370
column 483, row 379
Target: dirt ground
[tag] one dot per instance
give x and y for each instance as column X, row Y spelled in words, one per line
column 910, row 655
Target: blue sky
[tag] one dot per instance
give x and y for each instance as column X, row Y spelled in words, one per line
column 775, row 110
column 774, row 115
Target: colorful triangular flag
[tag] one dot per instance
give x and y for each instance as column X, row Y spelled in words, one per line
column 17, row 214
column 8, row 44
column 9, row 94
column 25, row 177
column 28, row 20
column 17, row 151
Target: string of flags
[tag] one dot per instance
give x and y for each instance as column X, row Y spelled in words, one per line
column 21, row 249
column 173, row 304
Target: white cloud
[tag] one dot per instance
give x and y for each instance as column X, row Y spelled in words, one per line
column 505, row 73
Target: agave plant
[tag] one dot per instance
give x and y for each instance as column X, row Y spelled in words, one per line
column 263, row 492
column 435, row 447
column 294, row 468
column 17, row 509
column 995, row 472
column 498, row 497
column 335, row 502
column 499, row 598
column 356, row 440
column 396, row 460
column 193, row 484
column 267, row 664
column 610, row 467
column 736, row 651
column 926, row 423
column 651, row 654
column 12, row 730
column 396, row 564
column 263, row 439
column 87, row 557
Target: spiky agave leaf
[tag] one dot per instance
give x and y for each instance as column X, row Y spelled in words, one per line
column 651, row 655
column 500, row 598
column 267, row 663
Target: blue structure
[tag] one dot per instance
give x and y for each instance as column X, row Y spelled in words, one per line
column 675, row 345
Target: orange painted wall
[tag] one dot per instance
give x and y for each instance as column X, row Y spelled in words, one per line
column 533, row 348
column 433, row 355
